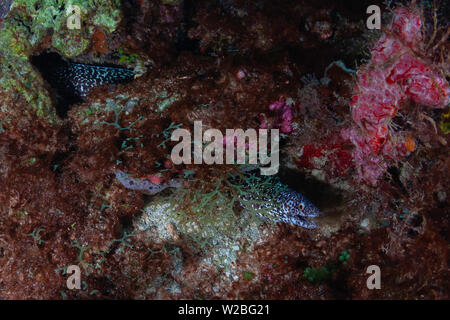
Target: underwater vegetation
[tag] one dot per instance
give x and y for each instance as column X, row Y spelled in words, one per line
column 319, row 275
column 267, row 197
column 395, row 75
column 87, row 179
column 284, row 116
column 73, row 81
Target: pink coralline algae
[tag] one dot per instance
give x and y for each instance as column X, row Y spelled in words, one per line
column 331, row 157
column 284, row 116
column 394, row 76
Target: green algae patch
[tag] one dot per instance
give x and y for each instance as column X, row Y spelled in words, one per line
column 22, row 91
column 31, row 26
column 35, row 20
column 107, row 17
column 444, row 125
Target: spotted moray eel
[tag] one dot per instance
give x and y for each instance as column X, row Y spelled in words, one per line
column 73, row 80
column 275, row 202
column 279, row 203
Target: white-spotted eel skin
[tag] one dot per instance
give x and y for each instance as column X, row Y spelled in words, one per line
column 83, row 77
column 72, row 80
column 269, row 198
column 279, row 203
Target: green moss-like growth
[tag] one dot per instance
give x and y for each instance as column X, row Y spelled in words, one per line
column 206, row 213
column 319, row 275
column 444, row 125
column 20, row 82
column 344, row 257
column 322, row 274
column 248, row 275
column 258, row 193
column 34, row 20
column 211, row 203
column 31, row 25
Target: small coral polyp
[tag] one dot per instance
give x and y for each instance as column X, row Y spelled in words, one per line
column 394, row 76
column 284, row 116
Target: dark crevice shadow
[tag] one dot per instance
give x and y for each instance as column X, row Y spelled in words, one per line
column 323, row 195
column 50, row 65
column 70, row 82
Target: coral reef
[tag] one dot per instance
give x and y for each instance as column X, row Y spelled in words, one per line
column 363, row 118
column 284, row 117
column 395, row 75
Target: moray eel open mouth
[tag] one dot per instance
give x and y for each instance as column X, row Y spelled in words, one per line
column 272, row 201
column 290, row 206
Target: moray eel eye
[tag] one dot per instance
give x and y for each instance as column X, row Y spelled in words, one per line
column 301, row 206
